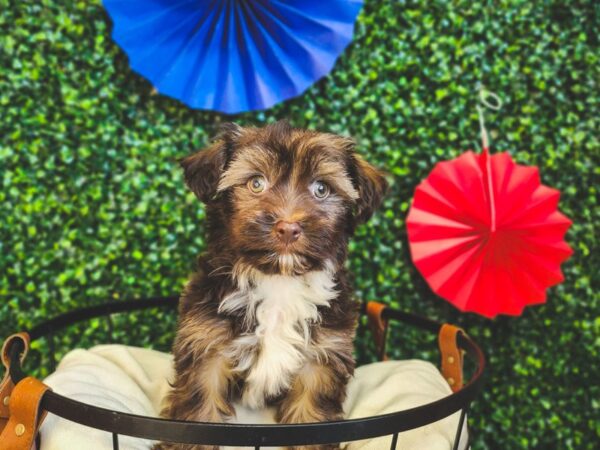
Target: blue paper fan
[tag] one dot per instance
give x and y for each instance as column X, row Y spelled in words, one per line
column 233, row 55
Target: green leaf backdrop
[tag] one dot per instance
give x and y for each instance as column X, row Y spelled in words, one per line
column 92, row 204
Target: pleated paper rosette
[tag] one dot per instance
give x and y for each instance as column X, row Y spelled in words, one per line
column 487, row 235
column 233, row 55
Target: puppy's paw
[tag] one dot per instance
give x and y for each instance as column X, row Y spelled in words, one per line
column 316, row 447
column 168, row 446
column 164, row 446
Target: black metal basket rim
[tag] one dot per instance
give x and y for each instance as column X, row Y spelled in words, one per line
column 245, row 434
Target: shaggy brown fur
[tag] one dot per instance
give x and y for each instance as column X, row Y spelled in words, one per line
column 214, row 351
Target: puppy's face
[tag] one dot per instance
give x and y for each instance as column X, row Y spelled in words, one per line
column 283, row 200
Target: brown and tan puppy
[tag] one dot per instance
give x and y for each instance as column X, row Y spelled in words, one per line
column 268, row 319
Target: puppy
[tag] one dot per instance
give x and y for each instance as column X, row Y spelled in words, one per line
column 268, row 319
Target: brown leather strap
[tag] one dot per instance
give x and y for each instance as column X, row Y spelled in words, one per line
column 378, row 327
column 7, row 386
column 25, row 416
column 9, row 341
column 452, row 356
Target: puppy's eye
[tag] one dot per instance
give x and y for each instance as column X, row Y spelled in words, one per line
column 257, row 184
column 320, row 189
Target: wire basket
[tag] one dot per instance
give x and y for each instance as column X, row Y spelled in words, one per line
column 245, row 435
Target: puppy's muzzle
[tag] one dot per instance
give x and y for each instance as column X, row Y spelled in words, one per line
column 288, row 232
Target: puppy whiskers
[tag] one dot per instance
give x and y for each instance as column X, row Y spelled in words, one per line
column 223, row 270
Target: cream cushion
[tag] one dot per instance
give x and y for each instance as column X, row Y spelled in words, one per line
column 134, row 380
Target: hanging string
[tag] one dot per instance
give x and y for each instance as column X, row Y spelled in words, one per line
column 495, row 104
column 484, row 102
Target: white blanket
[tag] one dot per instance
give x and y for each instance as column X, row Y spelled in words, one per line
column 134, row 380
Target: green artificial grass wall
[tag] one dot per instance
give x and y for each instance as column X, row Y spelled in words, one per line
column 93, row 207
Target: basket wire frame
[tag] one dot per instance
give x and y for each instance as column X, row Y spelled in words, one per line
column 246, row 435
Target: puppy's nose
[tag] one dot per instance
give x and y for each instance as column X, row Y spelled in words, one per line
column 288, row 232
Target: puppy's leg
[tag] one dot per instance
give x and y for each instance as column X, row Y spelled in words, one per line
column 200, row 395
column 316, row 395
column 201, row 389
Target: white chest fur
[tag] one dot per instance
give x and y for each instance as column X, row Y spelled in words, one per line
column 282, row 307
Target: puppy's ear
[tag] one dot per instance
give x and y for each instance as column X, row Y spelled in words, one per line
column 202, row 170
column 371, row 185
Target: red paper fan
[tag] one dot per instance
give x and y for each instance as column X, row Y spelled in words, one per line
column 486, row 234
